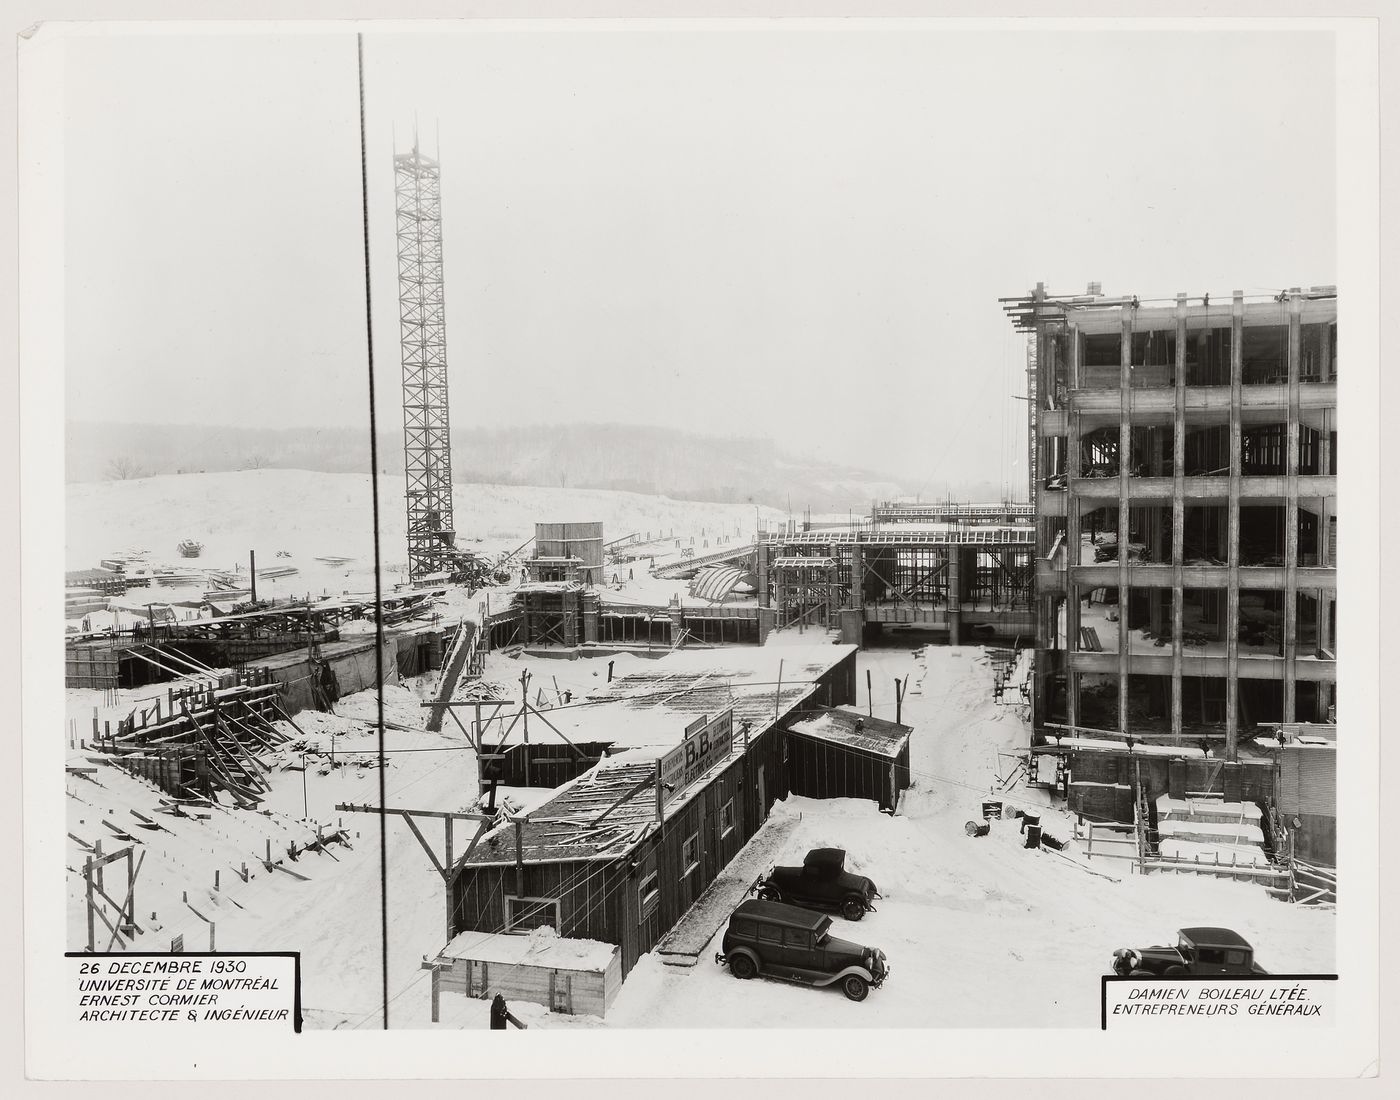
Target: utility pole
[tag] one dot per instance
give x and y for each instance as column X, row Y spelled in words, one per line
column 525, row 719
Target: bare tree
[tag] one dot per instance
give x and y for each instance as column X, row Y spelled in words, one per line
column 255, row 462
column 124, row 468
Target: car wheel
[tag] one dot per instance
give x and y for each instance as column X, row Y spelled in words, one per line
column 1174, row 972
column 853, row 909
column 855, row 987
column 767, row 893
column 742, row 967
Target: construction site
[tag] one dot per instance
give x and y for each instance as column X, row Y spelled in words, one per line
column 593, row 731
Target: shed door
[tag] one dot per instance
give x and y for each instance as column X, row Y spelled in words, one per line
column 762, row 794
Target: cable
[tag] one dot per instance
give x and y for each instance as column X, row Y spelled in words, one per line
column 378, row 567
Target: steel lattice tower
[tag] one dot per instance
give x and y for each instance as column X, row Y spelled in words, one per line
column 423, row 335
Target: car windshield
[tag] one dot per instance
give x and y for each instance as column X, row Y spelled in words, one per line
column 821, row 940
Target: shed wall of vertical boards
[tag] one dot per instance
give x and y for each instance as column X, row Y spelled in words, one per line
column 600, row 899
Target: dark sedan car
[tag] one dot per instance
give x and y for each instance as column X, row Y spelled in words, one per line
column 780, row 941
column 1197, row 951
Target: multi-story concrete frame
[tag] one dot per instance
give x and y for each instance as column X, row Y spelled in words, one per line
column 1186, row 512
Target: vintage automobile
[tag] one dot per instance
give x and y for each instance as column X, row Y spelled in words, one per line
column 822, row 882
column 773, row 940
column 1197, row 951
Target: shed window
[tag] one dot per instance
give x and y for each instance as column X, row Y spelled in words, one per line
column 690, row 853
column 726, row 818
column 647, row 894
column 522, row 914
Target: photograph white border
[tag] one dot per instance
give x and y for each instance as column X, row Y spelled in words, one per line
column 602, row 1053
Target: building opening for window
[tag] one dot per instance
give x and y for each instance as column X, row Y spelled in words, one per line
column 726, row 818
column 523, row 914
column 690, row 854
column 647, row 894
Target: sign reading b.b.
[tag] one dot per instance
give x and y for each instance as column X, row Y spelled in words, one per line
column 706, row 743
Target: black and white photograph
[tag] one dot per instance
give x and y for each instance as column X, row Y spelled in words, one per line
column 784, row 525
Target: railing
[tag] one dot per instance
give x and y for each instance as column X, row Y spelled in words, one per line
column 976, row 536
column 1312, row 885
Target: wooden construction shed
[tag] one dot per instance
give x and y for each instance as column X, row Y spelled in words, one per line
column 574, row 977
column 621, row 853
column 835, row 752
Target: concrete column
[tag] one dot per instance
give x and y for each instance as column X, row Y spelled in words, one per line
column 857, row 598
column 1125, row 459
column 954, row 596
column 1072, row 536
column 1232, row 606
column 1178, row 513
column 1325, row 596
column 1290, row 520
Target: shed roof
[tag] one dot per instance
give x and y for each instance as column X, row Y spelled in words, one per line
column 854, row 730
column 648, row 712
column 542, row 947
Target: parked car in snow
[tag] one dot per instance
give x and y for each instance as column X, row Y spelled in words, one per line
column 773, row 940
column 822, row 882
column 1197, row 951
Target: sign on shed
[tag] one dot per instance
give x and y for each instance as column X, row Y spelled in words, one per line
column 706, row 743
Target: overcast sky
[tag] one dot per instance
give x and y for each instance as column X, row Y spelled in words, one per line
column 793, row 232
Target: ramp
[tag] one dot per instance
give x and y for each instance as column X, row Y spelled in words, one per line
column 682, row 945
column 686, row 568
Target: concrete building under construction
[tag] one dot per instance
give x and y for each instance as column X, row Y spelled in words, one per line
column 1184, row 481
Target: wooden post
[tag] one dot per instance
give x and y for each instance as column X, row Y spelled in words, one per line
column 869, row 696
column 778, row 692
column 447, row 884
column 525, row 719
column 519, row 857
column 252, row 577
column 91, row 930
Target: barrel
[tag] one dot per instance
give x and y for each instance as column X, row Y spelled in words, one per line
column 1032, row 836
column 972, row 828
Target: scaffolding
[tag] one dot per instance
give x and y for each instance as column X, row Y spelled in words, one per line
column 807, row 590
column 423, row 336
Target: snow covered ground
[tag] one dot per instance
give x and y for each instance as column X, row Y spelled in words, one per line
column 311, row 515
column 979, row 932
